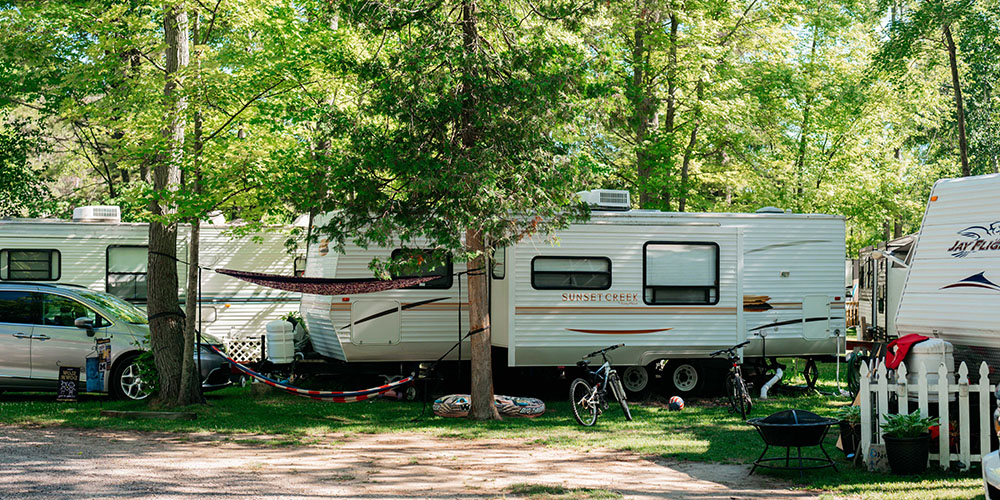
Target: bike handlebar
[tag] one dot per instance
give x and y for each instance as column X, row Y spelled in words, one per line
column 730, row 349
column 602, row 351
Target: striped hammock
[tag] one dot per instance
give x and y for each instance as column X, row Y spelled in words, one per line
column 325, row 286
column 331, row 396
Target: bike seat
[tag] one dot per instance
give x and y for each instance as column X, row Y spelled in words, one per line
column 584, row 363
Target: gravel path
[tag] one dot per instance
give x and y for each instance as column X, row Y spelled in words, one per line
column 60, row 463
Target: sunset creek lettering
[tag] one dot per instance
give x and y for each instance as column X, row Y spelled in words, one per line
column 620, row 298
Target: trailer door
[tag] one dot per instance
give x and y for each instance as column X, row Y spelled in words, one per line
column 815, row 317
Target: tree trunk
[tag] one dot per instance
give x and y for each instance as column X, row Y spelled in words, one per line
column 479, row 313
column 480, row 342
column 670, row 118
column 166, row 322
column 190, row 389
column 689, row 150
column 963, row 145
column 640, row 104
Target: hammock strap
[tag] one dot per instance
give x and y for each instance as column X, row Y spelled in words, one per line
column 332, row 396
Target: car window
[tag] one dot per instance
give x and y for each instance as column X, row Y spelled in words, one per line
column 18, row 307
column 63, row 311
column 117, row 307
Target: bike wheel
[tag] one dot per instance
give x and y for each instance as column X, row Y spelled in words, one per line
column 747, row 404
column 739, row 397
column 616, row 387
column 583, row 398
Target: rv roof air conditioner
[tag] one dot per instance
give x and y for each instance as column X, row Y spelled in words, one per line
column 606, row 199
column 97, row 213
column 769, row 210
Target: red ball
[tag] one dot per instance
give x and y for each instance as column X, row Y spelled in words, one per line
column 676, row 403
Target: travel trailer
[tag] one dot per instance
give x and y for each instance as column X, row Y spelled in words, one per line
column 880, row 284
column 671, row 286
column 952, row 289
column 98, row 251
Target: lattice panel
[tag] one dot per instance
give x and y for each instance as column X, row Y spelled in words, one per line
column 243, row 350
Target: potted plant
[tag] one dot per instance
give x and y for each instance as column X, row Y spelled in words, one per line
column 850, row 429
column 907, row 441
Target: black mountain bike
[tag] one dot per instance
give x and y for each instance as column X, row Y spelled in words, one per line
column 736, row 387
column 589, row 398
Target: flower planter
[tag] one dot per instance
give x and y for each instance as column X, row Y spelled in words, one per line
column 907, row 455
column 850, row 437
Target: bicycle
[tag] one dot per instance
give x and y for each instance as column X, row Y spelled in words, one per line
column 589, row 399
column 736, row 387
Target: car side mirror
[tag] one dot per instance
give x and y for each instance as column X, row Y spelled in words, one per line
column 86, row 324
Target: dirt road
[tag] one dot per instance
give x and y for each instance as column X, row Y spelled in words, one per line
column 59, row 463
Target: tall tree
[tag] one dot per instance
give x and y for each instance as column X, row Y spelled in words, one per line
column 455, row 145
column 166, row 320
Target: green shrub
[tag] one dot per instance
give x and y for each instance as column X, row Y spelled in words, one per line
column 907, row 426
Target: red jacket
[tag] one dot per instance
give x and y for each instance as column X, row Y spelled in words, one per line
column 898, row 348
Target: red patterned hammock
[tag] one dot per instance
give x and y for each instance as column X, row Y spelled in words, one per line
column 332, row 396
column 324, row 286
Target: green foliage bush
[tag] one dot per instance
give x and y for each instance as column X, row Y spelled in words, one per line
column 907, row 426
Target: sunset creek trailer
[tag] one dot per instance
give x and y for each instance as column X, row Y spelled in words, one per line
column 98, row 251
column 670, row 286
column 952, row 289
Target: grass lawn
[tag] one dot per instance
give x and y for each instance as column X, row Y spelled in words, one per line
column 704, row 431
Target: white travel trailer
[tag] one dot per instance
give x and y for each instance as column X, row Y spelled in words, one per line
column 98, row 251
column 952, row 289
column 880, row 283
column 670, row 286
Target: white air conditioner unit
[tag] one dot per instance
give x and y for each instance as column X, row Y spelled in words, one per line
column 606, row 199
column 97, row 213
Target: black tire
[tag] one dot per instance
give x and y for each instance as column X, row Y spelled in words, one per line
column 637, row 381
column 616, row 387
column 992, row 493
column 583, row 400
column 739, row 397
column 811, row 373
column 125, row 382
column 685, row 377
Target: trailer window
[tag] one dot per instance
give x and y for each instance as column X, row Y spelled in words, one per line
column 126, row 272
column 680, row 273
column 427, row 265
column 571, row 273
column 30, row 265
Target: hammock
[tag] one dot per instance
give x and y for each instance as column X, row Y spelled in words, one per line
column 324, row 286
column 332, row 396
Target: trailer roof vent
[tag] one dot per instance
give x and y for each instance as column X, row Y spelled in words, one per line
column 97, row 213
column 606, row 199
column 769, row 210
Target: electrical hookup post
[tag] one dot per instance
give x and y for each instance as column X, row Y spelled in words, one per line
column 98, row 365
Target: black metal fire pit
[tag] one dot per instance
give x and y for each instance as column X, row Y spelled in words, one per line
column 793, row 429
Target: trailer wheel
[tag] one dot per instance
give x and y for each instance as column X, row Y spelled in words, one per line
column 635, row 379
column 685, row 377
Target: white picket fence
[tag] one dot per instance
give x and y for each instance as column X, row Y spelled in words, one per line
column 878, row 383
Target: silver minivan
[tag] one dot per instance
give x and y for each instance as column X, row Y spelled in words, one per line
column 44, row 327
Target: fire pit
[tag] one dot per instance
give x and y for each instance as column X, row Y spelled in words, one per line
column 793, row 429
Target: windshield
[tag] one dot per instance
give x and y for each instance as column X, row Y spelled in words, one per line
column 118, row 307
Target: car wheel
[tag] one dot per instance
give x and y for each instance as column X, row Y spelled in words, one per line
column 685, row 377
column 126, row 382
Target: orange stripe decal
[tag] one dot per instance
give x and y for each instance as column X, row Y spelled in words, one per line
column 619, row 332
